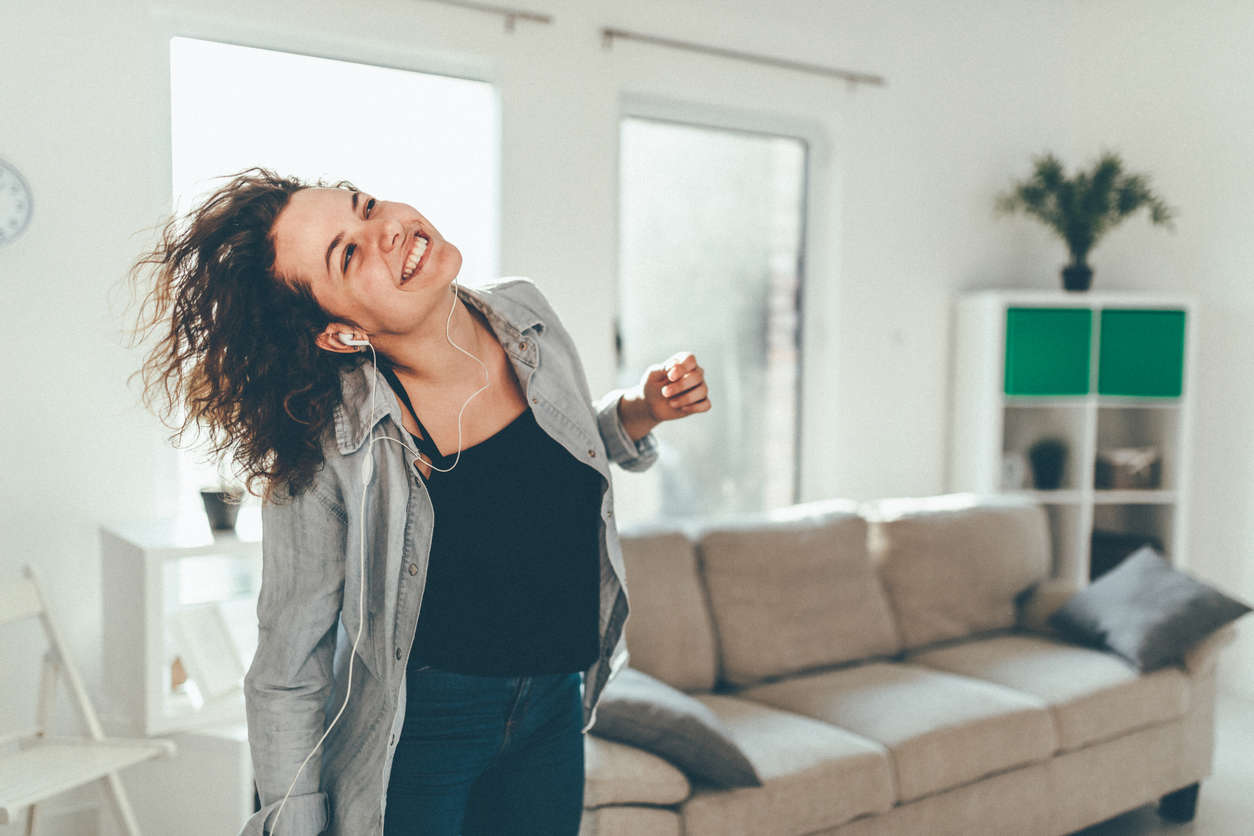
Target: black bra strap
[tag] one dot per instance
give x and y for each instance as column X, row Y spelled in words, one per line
column 425, row 441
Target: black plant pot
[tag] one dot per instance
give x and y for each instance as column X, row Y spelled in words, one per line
column 1077, row 277
column 222, row 508
column 1048, row 457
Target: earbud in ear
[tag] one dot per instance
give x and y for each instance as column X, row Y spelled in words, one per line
column 347, row 339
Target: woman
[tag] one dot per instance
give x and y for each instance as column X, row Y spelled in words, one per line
column 308, row 327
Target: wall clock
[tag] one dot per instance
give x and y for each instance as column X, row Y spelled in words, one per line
column 16, row 202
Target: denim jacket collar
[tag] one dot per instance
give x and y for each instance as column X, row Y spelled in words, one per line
column 509, row 318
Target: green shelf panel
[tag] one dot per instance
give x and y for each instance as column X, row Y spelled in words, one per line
column 1047, row 351
column 1141, row 353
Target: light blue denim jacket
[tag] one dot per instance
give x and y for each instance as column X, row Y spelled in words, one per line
column 308, row 608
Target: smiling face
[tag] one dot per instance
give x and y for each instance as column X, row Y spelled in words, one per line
column 353, row 252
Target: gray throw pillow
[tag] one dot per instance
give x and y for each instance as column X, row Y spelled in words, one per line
column 1146, row 611
column 647, row 713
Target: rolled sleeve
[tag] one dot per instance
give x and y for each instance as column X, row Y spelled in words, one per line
column 303, row 814
column 291, row 676
column 634, row 455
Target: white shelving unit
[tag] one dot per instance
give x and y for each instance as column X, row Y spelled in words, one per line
column 1029, row 365
column 175, row 589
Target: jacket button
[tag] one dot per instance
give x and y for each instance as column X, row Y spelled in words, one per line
column 413, row 568
column 523, row 345
column 592, row 453
column 535, row 400
column 609, row 514
column 398, row 654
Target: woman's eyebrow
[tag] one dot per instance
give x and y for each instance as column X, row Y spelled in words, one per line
column 335, row 242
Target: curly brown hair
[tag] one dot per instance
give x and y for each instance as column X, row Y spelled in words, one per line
column 237, row 349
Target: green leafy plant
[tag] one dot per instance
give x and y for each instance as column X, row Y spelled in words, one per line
column 1083, row 208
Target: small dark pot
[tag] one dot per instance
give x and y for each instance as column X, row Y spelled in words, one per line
column 221, row 513
column 1047, row 459
column 1077, row 277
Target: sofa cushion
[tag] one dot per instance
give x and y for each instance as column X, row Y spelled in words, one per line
column 616, row 773
column 1039, row 601
column 1092, row 784
column 792, row 590
column 1147, row 611
column 645, row 712
column 942, row 729
column 1019, row 802
column 952, row 565
column 669, row 632
column 814, row 775
column 1093, row 695
column 630, row 820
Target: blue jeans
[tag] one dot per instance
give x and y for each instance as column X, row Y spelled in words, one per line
column 488, row 755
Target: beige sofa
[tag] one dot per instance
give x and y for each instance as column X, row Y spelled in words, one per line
column 886, row 671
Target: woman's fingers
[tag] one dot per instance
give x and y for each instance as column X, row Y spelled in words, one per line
column 682, row 387
column 684, row 383
column 678, row 363
column 691, row 396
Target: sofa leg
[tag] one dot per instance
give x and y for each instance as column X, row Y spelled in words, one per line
column 1179, row 805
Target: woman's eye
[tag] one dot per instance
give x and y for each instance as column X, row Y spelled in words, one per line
column 348, row 251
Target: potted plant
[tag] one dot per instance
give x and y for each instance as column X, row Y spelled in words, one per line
column 1083, row 208
column 222, row 503
column 1048, row 457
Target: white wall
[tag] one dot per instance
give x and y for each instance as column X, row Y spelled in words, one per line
column 902, row 218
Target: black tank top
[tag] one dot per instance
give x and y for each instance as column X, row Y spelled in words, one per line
column 514, row 573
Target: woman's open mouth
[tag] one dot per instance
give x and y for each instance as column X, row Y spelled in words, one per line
column 417, row 256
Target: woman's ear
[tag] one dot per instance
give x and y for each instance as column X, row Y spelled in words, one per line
column 330, row 339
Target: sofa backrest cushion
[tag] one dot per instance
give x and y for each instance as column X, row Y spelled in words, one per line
column 669, row 633
column 952, row 565
column 792, row 590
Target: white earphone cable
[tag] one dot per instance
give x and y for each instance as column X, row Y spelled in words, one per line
column 367, row 471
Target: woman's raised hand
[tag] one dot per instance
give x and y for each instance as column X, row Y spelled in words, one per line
column 675, row 388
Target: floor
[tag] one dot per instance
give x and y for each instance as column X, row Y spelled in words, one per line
column 1225, row 803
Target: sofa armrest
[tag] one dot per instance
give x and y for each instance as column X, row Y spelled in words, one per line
column 1039, row 601
column 1203, row 656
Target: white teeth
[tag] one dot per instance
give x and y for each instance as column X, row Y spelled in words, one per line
column 415, row 255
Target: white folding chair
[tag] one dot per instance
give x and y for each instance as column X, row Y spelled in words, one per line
column 44, row 765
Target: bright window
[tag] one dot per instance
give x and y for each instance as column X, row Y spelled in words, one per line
column 711, row 230
column 427, row 140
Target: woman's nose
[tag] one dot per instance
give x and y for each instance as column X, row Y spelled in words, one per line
column 391, row 233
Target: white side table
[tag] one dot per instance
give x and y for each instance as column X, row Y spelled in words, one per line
column 154, row 573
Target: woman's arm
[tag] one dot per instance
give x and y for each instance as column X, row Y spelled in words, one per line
column 629, row 452
column 634, row 412
column 287, row 685
column 627, row 449
column 668, row 391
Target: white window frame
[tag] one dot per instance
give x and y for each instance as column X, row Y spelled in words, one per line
column 814, row 299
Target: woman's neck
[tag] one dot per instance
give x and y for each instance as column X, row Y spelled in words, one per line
column 435, row 364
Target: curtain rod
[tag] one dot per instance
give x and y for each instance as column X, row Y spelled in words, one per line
column 510, row 14
column 608, row 35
